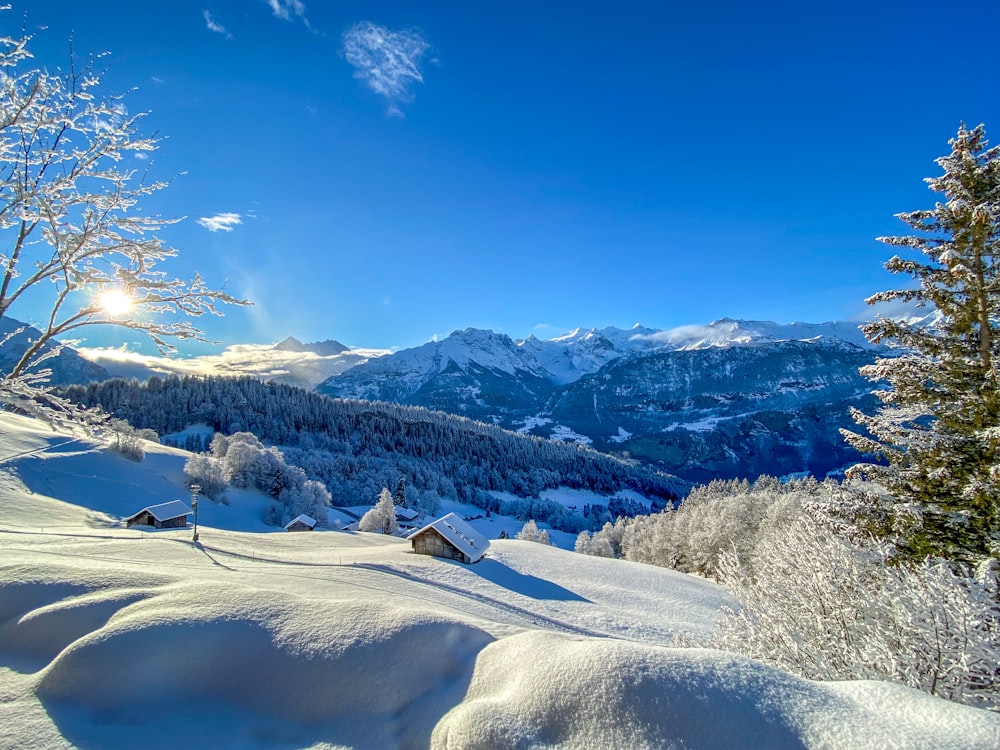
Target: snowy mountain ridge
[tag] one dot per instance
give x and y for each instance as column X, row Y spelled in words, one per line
column 566, row 358
column 732, row 398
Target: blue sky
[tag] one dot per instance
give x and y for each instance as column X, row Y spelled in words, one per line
column 396, row 171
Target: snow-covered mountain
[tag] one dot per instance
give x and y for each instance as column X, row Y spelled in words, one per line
column 732, row 398
column 466, row 373
column 326, row 348
column 727, row 332
column 582, row 351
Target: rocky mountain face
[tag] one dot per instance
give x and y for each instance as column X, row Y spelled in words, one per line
column 732, row 399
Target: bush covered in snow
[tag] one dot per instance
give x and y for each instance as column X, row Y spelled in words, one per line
column 126, row 441
column 531, row 533
column 827, row 607
column 241, row 460
column 816, row 594
column 723, row 515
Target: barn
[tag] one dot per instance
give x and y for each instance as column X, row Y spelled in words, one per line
column 301, row 522
column 450, row 537
column 172, row 515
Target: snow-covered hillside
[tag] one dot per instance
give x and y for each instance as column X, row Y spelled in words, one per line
column 118, row 638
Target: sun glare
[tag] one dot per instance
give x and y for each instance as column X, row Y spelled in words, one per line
column 115, row 302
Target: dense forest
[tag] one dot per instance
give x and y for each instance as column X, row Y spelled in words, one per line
column 356, row 448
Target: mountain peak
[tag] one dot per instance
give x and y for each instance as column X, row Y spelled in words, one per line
column 321, row 348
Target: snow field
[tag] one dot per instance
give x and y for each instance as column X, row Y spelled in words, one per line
column 117, row 638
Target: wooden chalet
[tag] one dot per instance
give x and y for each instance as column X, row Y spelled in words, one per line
column 172, row 515
column 450, row 537
column 301, row 522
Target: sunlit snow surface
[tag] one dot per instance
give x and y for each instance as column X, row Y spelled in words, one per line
column 120, row 638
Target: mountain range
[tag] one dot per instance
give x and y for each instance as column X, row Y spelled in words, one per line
column 730, row 399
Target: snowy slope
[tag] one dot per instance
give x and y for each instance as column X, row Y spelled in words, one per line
column 118, row 638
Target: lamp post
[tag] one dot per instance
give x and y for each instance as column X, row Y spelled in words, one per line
column 195, row 489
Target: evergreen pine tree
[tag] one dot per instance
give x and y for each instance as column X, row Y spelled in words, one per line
column 939, row 424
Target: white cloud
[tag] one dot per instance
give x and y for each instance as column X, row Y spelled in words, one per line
column 226, row 222
column 212, row 25
column 387, row 61
column 287, row 10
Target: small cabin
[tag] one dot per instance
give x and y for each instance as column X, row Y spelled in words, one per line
column 450, row 537
column 406, row 515
column 301, row 522
column 406, row 518
column 172, row 515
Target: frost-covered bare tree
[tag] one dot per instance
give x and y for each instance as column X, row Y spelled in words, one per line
column 381, row 519
column 71, row 226
column 939, row 425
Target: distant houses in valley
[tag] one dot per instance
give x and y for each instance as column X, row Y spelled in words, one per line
column 452, row 538
column 301, row 522
column 406, row 518
column 172, row 515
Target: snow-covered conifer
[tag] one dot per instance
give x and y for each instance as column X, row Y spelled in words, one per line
column 939, row 424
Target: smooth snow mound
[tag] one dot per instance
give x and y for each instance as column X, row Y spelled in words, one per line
column 231, row 666
column 551, row 690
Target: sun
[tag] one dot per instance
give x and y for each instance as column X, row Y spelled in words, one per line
column 115, row 302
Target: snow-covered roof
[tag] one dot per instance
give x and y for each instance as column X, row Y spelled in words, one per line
column 303, row 518
column 406, row 514
column 164, row 511
column 458, row 533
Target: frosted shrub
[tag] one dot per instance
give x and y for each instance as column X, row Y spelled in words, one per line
column 207, row 473
column 241, row 460
column 604, row 543
column 815, row 603
column 718, row 517
column 531, row 533
column 125, row 441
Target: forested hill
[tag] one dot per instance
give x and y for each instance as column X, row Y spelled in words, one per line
column 358, row 447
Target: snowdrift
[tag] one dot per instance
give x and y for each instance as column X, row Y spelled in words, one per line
column 227, row 665
column 552, row 690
